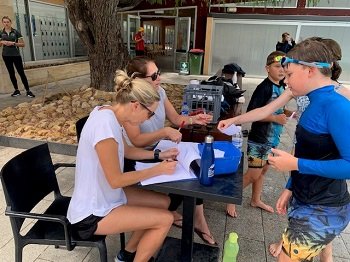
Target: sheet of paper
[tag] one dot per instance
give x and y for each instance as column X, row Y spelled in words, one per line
column 179, row 174
column 218, row 153
column 188, row 152
column 231, row 130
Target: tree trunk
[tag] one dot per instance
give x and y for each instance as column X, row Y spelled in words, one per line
column 100, row 29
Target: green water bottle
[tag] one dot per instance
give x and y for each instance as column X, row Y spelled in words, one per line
column 231, row 248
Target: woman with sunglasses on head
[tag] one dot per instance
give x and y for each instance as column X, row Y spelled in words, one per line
column 103, row 200
column 11, row 40
column 153, row 130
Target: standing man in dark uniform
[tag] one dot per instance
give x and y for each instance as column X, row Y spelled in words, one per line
column 11, row 40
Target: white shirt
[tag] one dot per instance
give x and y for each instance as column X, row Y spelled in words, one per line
column 92, row 192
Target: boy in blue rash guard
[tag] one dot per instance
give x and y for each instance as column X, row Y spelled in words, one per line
column 320, row 204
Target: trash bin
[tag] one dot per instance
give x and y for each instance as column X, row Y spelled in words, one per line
column 196, row 60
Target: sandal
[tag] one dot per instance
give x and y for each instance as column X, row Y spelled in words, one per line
column 178, row 223
column 202, row 234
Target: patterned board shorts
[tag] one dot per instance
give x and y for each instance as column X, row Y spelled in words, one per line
column 312, row 227
column 257, row 154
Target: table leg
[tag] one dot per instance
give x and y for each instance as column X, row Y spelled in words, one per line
column 189, row 205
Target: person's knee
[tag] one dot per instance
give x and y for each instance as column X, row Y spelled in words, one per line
column 164, row 202
column 253, row 175
column 166, row 218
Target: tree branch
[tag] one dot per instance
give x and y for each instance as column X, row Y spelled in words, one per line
column 81, row 20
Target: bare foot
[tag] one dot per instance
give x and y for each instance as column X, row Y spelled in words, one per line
column 275, row 249
column 263, row 206
column 177, row 219
column 231, row 210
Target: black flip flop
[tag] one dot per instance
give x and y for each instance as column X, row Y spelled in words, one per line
column 201, row 235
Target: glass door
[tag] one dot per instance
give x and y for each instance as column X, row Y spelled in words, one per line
column 182, row 40
column 133, row 26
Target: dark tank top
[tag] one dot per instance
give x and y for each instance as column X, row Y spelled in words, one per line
column 314, row 189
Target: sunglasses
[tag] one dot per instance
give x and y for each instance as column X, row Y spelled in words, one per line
column 150, row 112
column 286, row 60
column 154, row 76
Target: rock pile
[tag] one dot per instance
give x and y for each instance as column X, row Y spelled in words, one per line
column 54, row 118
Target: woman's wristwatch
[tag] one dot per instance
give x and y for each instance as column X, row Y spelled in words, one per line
column 156, row 154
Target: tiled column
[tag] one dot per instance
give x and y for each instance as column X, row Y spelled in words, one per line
column 6, row 9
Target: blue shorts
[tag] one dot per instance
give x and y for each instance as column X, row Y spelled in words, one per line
column 312, row 227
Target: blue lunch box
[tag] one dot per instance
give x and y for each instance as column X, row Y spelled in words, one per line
column 227, row 164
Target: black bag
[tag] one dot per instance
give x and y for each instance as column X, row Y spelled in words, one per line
column 231, row 91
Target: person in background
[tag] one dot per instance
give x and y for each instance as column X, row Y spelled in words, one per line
column 286, row 44
column 264, row 134
column 153, row 130
column 103, row 200
column 140, row 42
column 317, row 193
column 11, row 39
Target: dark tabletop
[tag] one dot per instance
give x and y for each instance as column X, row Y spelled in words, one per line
column 226, row 188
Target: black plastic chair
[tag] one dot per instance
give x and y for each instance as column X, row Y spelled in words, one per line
column 79, row 127
column 26, row 180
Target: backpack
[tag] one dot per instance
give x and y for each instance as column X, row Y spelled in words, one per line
column 231, row 91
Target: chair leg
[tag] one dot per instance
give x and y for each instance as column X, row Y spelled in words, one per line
column 103, row 251
column 18, row 252
column 122, row 241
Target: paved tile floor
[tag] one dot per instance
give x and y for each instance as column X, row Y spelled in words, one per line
column 256, row 229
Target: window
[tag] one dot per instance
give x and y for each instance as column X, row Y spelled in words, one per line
column 169, row 37
column 337, row 4
column 254, row 3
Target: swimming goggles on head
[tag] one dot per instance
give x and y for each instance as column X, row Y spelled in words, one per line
column 286, row 60
column 278, row 58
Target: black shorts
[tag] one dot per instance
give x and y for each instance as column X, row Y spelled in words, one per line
column 86, row 228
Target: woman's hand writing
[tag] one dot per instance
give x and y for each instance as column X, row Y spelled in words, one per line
column 171, row 153
column 166, row 167
column 282, row 161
